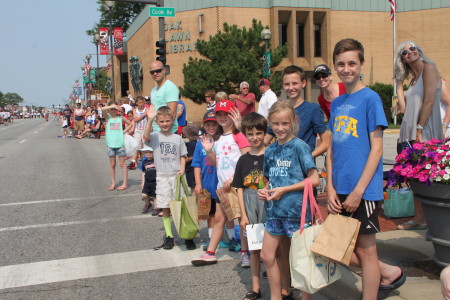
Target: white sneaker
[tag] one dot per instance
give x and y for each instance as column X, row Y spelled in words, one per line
column 245, row 260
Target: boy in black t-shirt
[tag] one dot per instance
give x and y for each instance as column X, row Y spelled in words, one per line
column 191, row 131
column 248, row 178
column 148, row 184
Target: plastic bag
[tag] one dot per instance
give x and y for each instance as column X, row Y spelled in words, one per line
column 131, row 145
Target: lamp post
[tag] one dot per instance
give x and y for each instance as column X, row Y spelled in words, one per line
column 96, row 41
column 85, row 81
column 267, row 57
column 89, row 82
column 110, row 6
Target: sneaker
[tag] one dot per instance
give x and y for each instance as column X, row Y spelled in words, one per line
column 206, row 245
column 168, row 243
column 155, row 212
column 132, row 166
column 245, row 260
column 223, row 244
column 234, row 245
column 190, row 245
column 204, row 260
column 146, row 208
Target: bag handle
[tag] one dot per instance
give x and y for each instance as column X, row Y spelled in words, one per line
column 181, row 180
column 177, row 188
column 308, row 198
column 187, row 192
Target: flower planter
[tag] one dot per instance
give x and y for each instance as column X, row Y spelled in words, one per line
column 435, row 200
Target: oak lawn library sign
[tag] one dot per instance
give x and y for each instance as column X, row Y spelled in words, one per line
column 179, row 40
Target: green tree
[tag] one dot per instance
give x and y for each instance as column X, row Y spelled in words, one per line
column 122, row 15
column 229, row 57
column 12, row 99
column 386, row 91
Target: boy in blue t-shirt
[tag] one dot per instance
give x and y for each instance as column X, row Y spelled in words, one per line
column 354, row 166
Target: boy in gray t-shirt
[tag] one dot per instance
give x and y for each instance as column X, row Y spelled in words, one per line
column 169, row 152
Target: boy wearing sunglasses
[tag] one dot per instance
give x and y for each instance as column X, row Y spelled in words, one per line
column 165, row 93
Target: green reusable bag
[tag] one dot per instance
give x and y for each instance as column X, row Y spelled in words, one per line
column 400, row 203
column 184, row 211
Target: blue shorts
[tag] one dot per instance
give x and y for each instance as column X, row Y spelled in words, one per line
column 115, row 151
column 282, row 227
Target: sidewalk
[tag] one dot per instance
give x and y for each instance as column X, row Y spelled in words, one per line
column 406, row 249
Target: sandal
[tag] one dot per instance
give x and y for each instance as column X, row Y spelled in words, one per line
column 252, row 295
column 411, row 225
column 121, row 188
column 287, row 297
column 385, row 290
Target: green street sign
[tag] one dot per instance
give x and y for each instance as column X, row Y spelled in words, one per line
column 162, row 12
column 267, row 63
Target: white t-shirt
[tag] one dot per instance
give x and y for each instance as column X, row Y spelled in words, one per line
column 266, row 102
column 127, row 107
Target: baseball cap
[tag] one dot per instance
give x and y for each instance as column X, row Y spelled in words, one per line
column 209, row 116
column 224, row 105
column 322, row 69
column 146, row 148
column 191, row 131
column 263, row 81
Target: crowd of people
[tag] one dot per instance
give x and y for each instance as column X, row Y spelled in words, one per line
column 267, row 155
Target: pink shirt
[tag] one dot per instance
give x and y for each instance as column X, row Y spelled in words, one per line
column 243, row 108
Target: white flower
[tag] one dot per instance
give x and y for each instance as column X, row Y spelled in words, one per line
column 446, row 177
column 428, row 166
column 438, row 178
column 447, row 170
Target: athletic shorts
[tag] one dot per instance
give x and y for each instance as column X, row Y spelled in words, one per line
column 255, row 209
column 282, row 227
column 115, row 151
column 165, row 189
column 366, row 213
column 212, row 212
column 149, row 190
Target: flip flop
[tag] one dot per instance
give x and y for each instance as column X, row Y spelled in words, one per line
column 411, row 225
column 121, row 188
column 385, row 290
column 112, row 188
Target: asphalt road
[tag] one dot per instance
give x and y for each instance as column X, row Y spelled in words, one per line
column 65, row 236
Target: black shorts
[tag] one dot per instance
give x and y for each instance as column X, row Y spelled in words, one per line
column 212, row 212
column 366, row 213
column 149, row 190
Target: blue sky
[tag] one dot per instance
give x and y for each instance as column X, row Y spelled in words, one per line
column 43, row 46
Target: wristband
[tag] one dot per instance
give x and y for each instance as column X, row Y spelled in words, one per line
column 446, row 124
column 418, row 127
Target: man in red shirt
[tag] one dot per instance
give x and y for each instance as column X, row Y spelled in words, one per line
column 245, row 102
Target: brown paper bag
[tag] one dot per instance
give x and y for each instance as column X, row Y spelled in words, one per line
column 204, row 205
column 337, row 238
column 230, row 203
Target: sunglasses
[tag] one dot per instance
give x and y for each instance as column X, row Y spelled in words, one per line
column 153, row 72
column 207, row 96
column 405, row 51
column 320, row 76
column 245, row 88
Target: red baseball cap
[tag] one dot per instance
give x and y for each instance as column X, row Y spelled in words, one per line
column 224, row 105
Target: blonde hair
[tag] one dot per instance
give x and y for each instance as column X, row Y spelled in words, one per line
column 401, row 69
column 164, row 111
column 221, row 96
column 285, row 106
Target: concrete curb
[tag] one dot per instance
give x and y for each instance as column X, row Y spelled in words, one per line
column 397, row 248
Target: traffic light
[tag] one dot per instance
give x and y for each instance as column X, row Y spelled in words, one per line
column 161, row 51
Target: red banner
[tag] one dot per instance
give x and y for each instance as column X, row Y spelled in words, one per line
column 118, row 41
column 104, row 40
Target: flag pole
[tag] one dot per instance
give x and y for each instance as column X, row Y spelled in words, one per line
column 394, row 55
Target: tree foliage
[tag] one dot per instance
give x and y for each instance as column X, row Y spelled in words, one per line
column 10, row 99
column 386, row 91
column 122, row 15
column 228, row 58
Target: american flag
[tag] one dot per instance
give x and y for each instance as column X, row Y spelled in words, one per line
column 393, row 8
column 107, row 67
column 87, row 67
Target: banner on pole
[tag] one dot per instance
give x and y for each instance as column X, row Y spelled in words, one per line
column 93, row 76
column 104, row 44
column 118, row 41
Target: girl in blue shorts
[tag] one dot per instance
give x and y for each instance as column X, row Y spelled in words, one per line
column 287, row 162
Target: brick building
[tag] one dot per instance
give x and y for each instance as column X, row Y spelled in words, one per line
column 311, row 28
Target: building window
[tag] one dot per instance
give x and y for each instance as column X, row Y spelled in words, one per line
column 282, row 33
column 317, row 41
column 301, row 40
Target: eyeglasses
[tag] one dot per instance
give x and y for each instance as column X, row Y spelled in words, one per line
column 153, row 72
column 320, row 76
column 405, row 51
column 245, row 88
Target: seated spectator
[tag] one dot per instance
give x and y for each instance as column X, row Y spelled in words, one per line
column 92, row 130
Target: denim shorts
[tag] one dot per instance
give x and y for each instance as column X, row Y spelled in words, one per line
column 115, row 151
column 282, row 227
